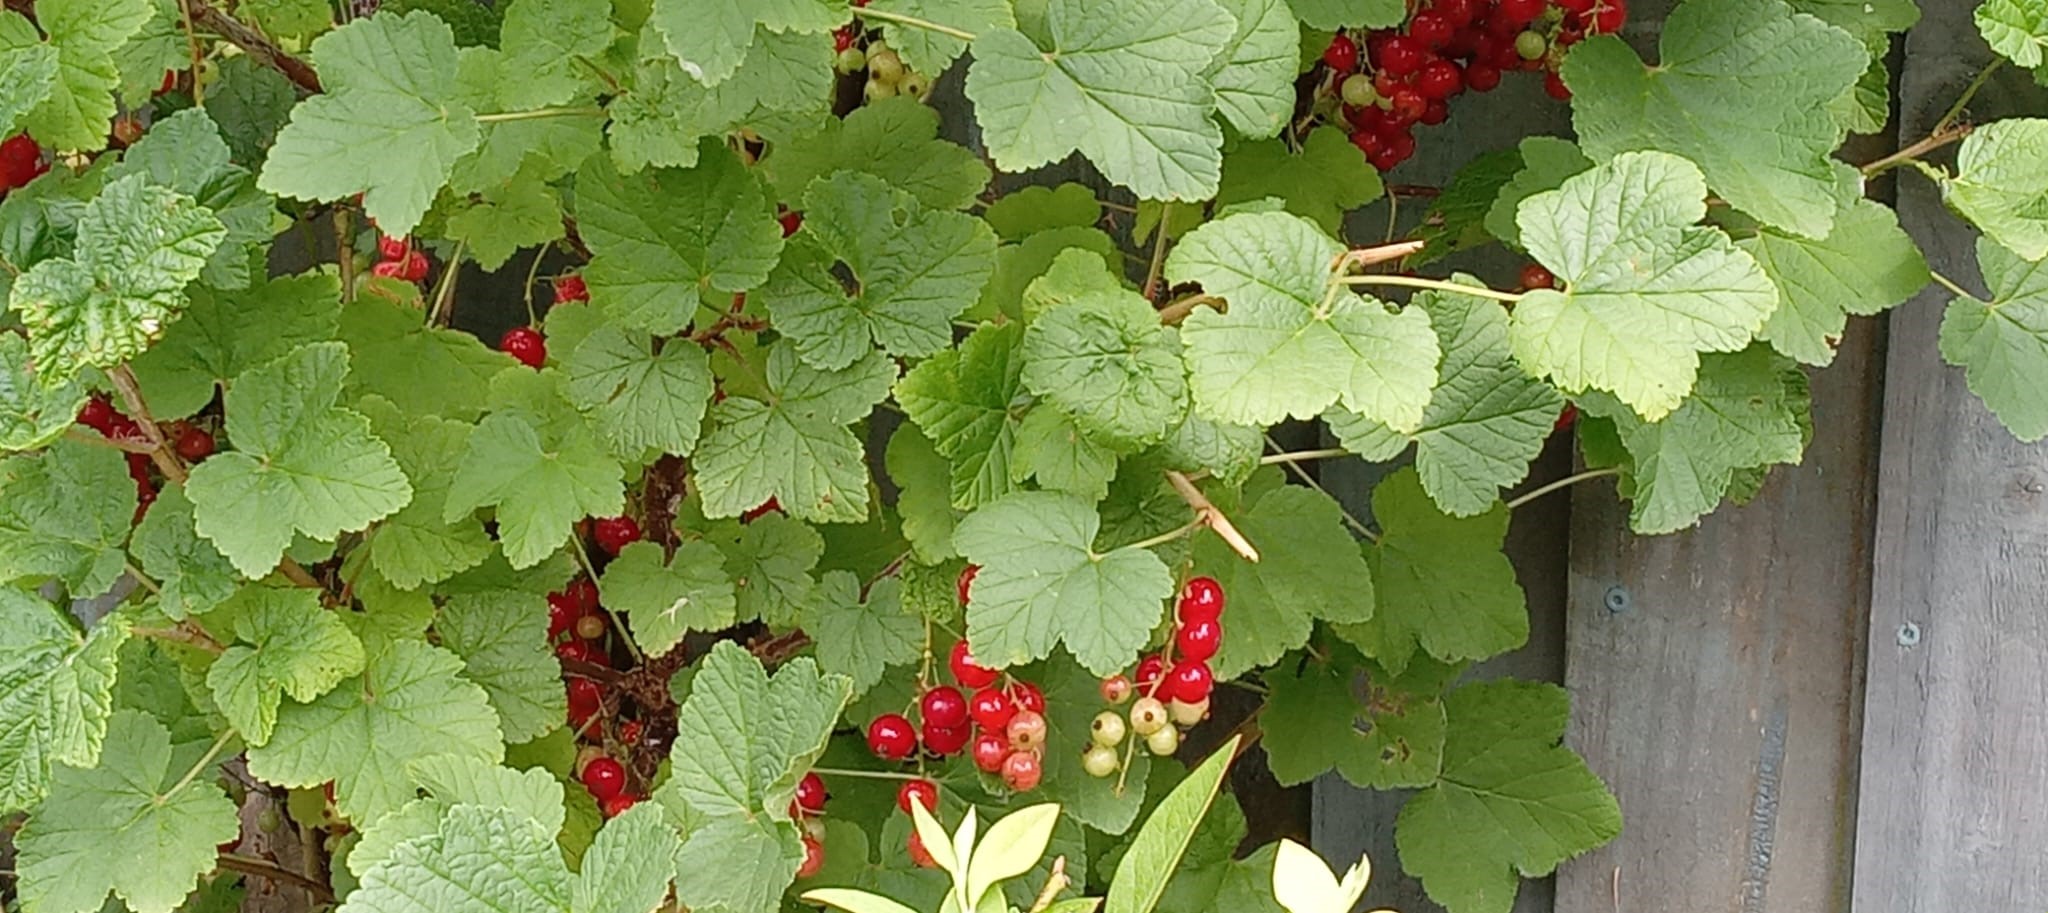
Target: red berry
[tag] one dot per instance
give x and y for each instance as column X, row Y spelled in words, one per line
column 842, row 38
column 1367, row 141
column 389, row 269
column 1028, row 697
column 605, row 778
column 583, row 593
column 1459, row 13
column 1566, row 418
column 1535, row 276
column 617, row 805
column 1198, row 640
column 613, row 534
column 562, row 614
column 1400, row 56
column 922, row 792
column 891, row 737
column 991, row 709
column 1436, row 113
column 1439, row 79
column 629, row 732
column 1409, row 104
column 814, row 859
column 1342, row 54
column 391, row 248
column 1385, row 84
column 810, row 793
column 1026, row 731
column 19, row 149
column 1022, row 770
column 1431, row 29
column 170, row 82
column 763, row 509
column 1400, row 146
column 570, row 288
column 579, row 651
column 791, row 221
column 1574, row 6
column 919, row 856
column 1517, row 13
column 584, row 695
column 194, row 444
column 946, row 741
column 1192, row 682
column 97, row 414
column 964, row 584
column 943, row 706
column 989, row 751
column 1150, row 670
column 525, row 344
column 1367, row 118
column 965, row 670
column 1608, row 17
column 1482, row 77
column 1555, row 87
column 1115, row 689
column 1201, row 599
column 414, row 267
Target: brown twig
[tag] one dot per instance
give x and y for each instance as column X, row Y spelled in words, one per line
column 1932, row 142
column 1177, row 311
column 186, row 633
column 1158, row 263
column 1055, row 882
column 192, row 45
column 1368, row 256
column 159, row 450
column 262, row 868
column 205, row 15
column 1211, row 515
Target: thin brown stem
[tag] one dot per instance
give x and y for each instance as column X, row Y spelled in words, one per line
column 198, row 54
column 345, row 253
column 206, row 16
column 1562, row 484
column 261, row 868
column 185, row 633
column 1375, row 255
column 1954, row 111
column 159, row 450
column 1158, row 263
column 1294, row 466
column 1933, row 141
column 1211, row 515
column 1175, row 312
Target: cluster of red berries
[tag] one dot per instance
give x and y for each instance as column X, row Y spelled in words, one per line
column 577, row 629
column 396, row 259
column 1173, row 688
column 613, row 534
column 21, row 161
column 809, row 805
column 1402, row 77
column 191, row 442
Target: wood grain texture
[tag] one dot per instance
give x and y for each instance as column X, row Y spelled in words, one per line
column 1954, row 810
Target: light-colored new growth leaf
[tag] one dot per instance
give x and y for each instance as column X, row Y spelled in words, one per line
column 2001, row 183
column 2002, row 344
column 56, row 693
column 285, row 643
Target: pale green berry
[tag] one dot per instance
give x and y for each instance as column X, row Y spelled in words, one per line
column 1165, row 741
column 885, row 65
column 876, row 89
column 1148, row 716
column 1186, row 714
column 1099, row 761
column 1358, row 91
column 849, row 61
column 914, row 84
column 1108, row 729
column 1531, row 45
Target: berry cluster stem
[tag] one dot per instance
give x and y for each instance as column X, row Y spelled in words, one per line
column 864, row 774
column 914, row 22
column 618, row 624
column 206, row 16
column 1209, row 514
column 1436, row 284
column 263, row 868
column 1564, row 483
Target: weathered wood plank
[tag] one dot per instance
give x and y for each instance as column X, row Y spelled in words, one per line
column 1954, row 797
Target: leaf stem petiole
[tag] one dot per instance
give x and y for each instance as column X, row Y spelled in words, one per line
column 1303, row 456
column 539, row 114
column 914, row 22
column 863, row 774
column 1165, row 537
column 1564, row 483
column 1436, row 284
column 1948, row 118
column 1951, row 285
column 193, row 774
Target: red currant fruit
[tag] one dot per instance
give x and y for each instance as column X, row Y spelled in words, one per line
column 842, row 38
column 1436, row 113
column 1401, row 56
column 1535, row 276
column 991, row 709
column 629, row 732
column 989, row 751
column 585, row 697
column 194, row 444
column 810, row 793
column 562, row 614
column 1409, row 104
column 1575, row 7
column 946, row 741
column 1459, row 13
column 1022, row 770
column 571, row 288
column 1116, row 689
column 814, row 859
column 962, row 586
column 1198, row 640
column 1150, row 670
column 391, row 248
column 583, row 593
column 1431, row 29
column 1201, row 599
column 891, row 737
column 919, row 856
column 525, row 344
column 1566, row 418
column 943, row 706
column 389, row 269
column 97, row 414
column 922, row 792
column 1554, row 86
column 763, row 509
column 1028, row 697
column 1608, row 17
column 613, row 534
column 581, row 651
column 1192, row 682
column 414, row 267
column 1481, row 76
column 1026, row 731
column 966, row 671
column 791, row 221
column 1439, row 79
column 1342, row 54
column 1517, row 13
column 605, row 778
column 617, row 805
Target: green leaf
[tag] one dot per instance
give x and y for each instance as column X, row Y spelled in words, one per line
column 664, row 241
column 298, row 18
column 138, row 247
column 86, row 35
column 1052, row 449
column 1073, row 696
column 743, row 740
column 1455, row 220
column 1022, row 267
column 226, row 333
column 710, row 38
column 452, row 780
column 421, row 369
column 2002, row 343
column 1512, row 800
column 689, row 592
column 1742, row 89
column 628, row 867
column 250, row 102
column 192, row 576
column 819, row 472
column 1747, row 414
column 1289, row 345
column 1106, row 361
column 499, row 222
column 185, row 152
column 32, row 414
column 285, row 643
column 1546, row 162
column 1030, row 210
column 1330, row 15
column 1326, row 179
column 28, row 69
column 1864, row 266
column 477, row 859
column 300, row 463
column 1309, row 568
column 1041, row 584
column 1486, row 420
column 158, row 47
column 769, row 561
column 930, row 52
column 339, row 143
column 64, row 514
column 895, row 139
column 56, row 693
column 1142, row 875
column 643, row 400
column 1864, row 18
column 2001, row 182
column 530, row 151
column 1644, row 290
column 861, row 640
column 125, row 808
column 2015, row 29
column 871, row 262
column 1228, row 452
column 409, row 702
column 1038, row 101
column 503, row 641
column 542, row 41
column 417, row 545
column 1254, row 74
column 540, row 477
column 1442, row 581
column 1379, row 731
column 924, row 498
